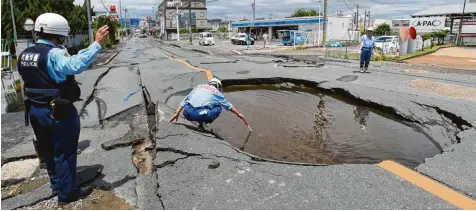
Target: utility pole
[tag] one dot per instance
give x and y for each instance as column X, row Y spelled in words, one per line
column 190, row 20
column 120, row 9
column 324, row 33
column 460, row 25
column 14, row 27
column 254, row 9
column 369, row 20
column 90, row 30
column 358, row 23
column 365, row 19
column 319, row 25
column 178, row 23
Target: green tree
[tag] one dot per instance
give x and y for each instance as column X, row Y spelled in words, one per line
column 303, row 13
column 183, row 30
column 383, row 29
column 222, row 29
column 425, row 37
column 114, row 26
column 440, row 36
column 194, row 29
column 24, row 9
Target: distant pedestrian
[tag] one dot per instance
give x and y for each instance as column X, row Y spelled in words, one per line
column 367, row 47
column 265, row 39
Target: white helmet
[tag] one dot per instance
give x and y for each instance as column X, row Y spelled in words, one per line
column 52, row 23
column 370, row 29
column 216, row 82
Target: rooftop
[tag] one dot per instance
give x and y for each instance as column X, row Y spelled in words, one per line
column 447, row 10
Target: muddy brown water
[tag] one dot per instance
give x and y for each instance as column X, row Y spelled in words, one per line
column 303, row 125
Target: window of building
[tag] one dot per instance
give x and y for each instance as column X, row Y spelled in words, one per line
column 406, row 24
column 396, row 25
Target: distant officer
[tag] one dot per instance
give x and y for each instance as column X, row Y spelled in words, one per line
column 50, row 90
column 367, row 46
column 204, row 104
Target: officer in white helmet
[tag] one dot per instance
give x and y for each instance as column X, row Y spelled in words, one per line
column 367, row 46
column 204, row 104
column 50, row 90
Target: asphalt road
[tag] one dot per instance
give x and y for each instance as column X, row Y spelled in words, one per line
column 196, row 170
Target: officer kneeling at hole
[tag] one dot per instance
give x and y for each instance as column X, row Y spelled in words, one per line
column 50, row 90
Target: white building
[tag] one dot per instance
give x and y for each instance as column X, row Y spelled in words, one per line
column 339, row 28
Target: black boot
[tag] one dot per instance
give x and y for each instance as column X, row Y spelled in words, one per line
column 81, row 194
column 366, row 66
column 39, row 153
column 361, row 67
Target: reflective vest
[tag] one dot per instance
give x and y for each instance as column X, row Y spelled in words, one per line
column 38, row 85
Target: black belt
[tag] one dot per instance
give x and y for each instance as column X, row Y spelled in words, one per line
column 41, row 97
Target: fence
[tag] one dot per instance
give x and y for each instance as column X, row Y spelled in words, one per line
column 345, row 49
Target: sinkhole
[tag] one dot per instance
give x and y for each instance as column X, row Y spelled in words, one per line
column 307, row 125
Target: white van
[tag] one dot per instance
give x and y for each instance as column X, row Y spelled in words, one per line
column 206, row 38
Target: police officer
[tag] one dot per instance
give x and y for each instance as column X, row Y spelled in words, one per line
column 50, row 90
column 366, row 49
column 204, row 104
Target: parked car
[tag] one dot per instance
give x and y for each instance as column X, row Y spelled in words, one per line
column 143, row 36
column 388, row 44
column 241, row 38
column 206, row 38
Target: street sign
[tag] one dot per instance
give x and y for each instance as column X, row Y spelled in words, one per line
column 29, row 24
column 174, row 3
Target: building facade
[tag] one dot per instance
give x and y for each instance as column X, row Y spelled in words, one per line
column 339, row 28
column 166, row 16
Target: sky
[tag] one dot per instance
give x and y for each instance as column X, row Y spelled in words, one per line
column 238, row 9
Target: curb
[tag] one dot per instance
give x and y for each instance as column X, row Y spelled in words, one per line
column 110, row 58
column 424, row 54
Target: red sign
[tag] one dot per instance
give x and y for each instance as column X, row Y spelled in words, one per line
column 412, row 32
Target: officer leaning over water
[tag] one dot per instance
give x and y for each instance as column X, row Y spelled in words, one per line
column 50, row 90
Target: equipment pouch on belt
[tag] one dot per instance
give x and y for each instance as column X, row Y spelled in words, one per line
column 60, row 109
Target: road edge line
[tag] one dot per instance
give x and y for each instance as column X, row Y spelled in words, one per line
column 442, row 191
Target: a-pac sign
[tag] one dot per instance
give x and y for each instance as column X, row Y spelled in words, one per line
column 428, row 24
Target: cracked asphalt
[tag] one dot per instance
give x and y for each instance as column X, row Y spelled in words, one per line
column 130, row 148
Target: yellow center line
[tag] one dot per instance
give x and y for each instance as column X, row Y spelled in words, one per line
column 425, row 183
column 432, row 186
column 208, row 73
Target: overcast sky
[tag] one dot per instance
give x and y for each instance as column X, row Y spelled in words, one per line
column 237, row 9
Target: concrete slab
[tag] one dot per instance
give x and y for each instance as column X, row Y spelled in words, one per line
column 118, row 89
column 455, row 168
column 19, row 169
column 21, row 151
column 14, row 130
column 147, row 195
